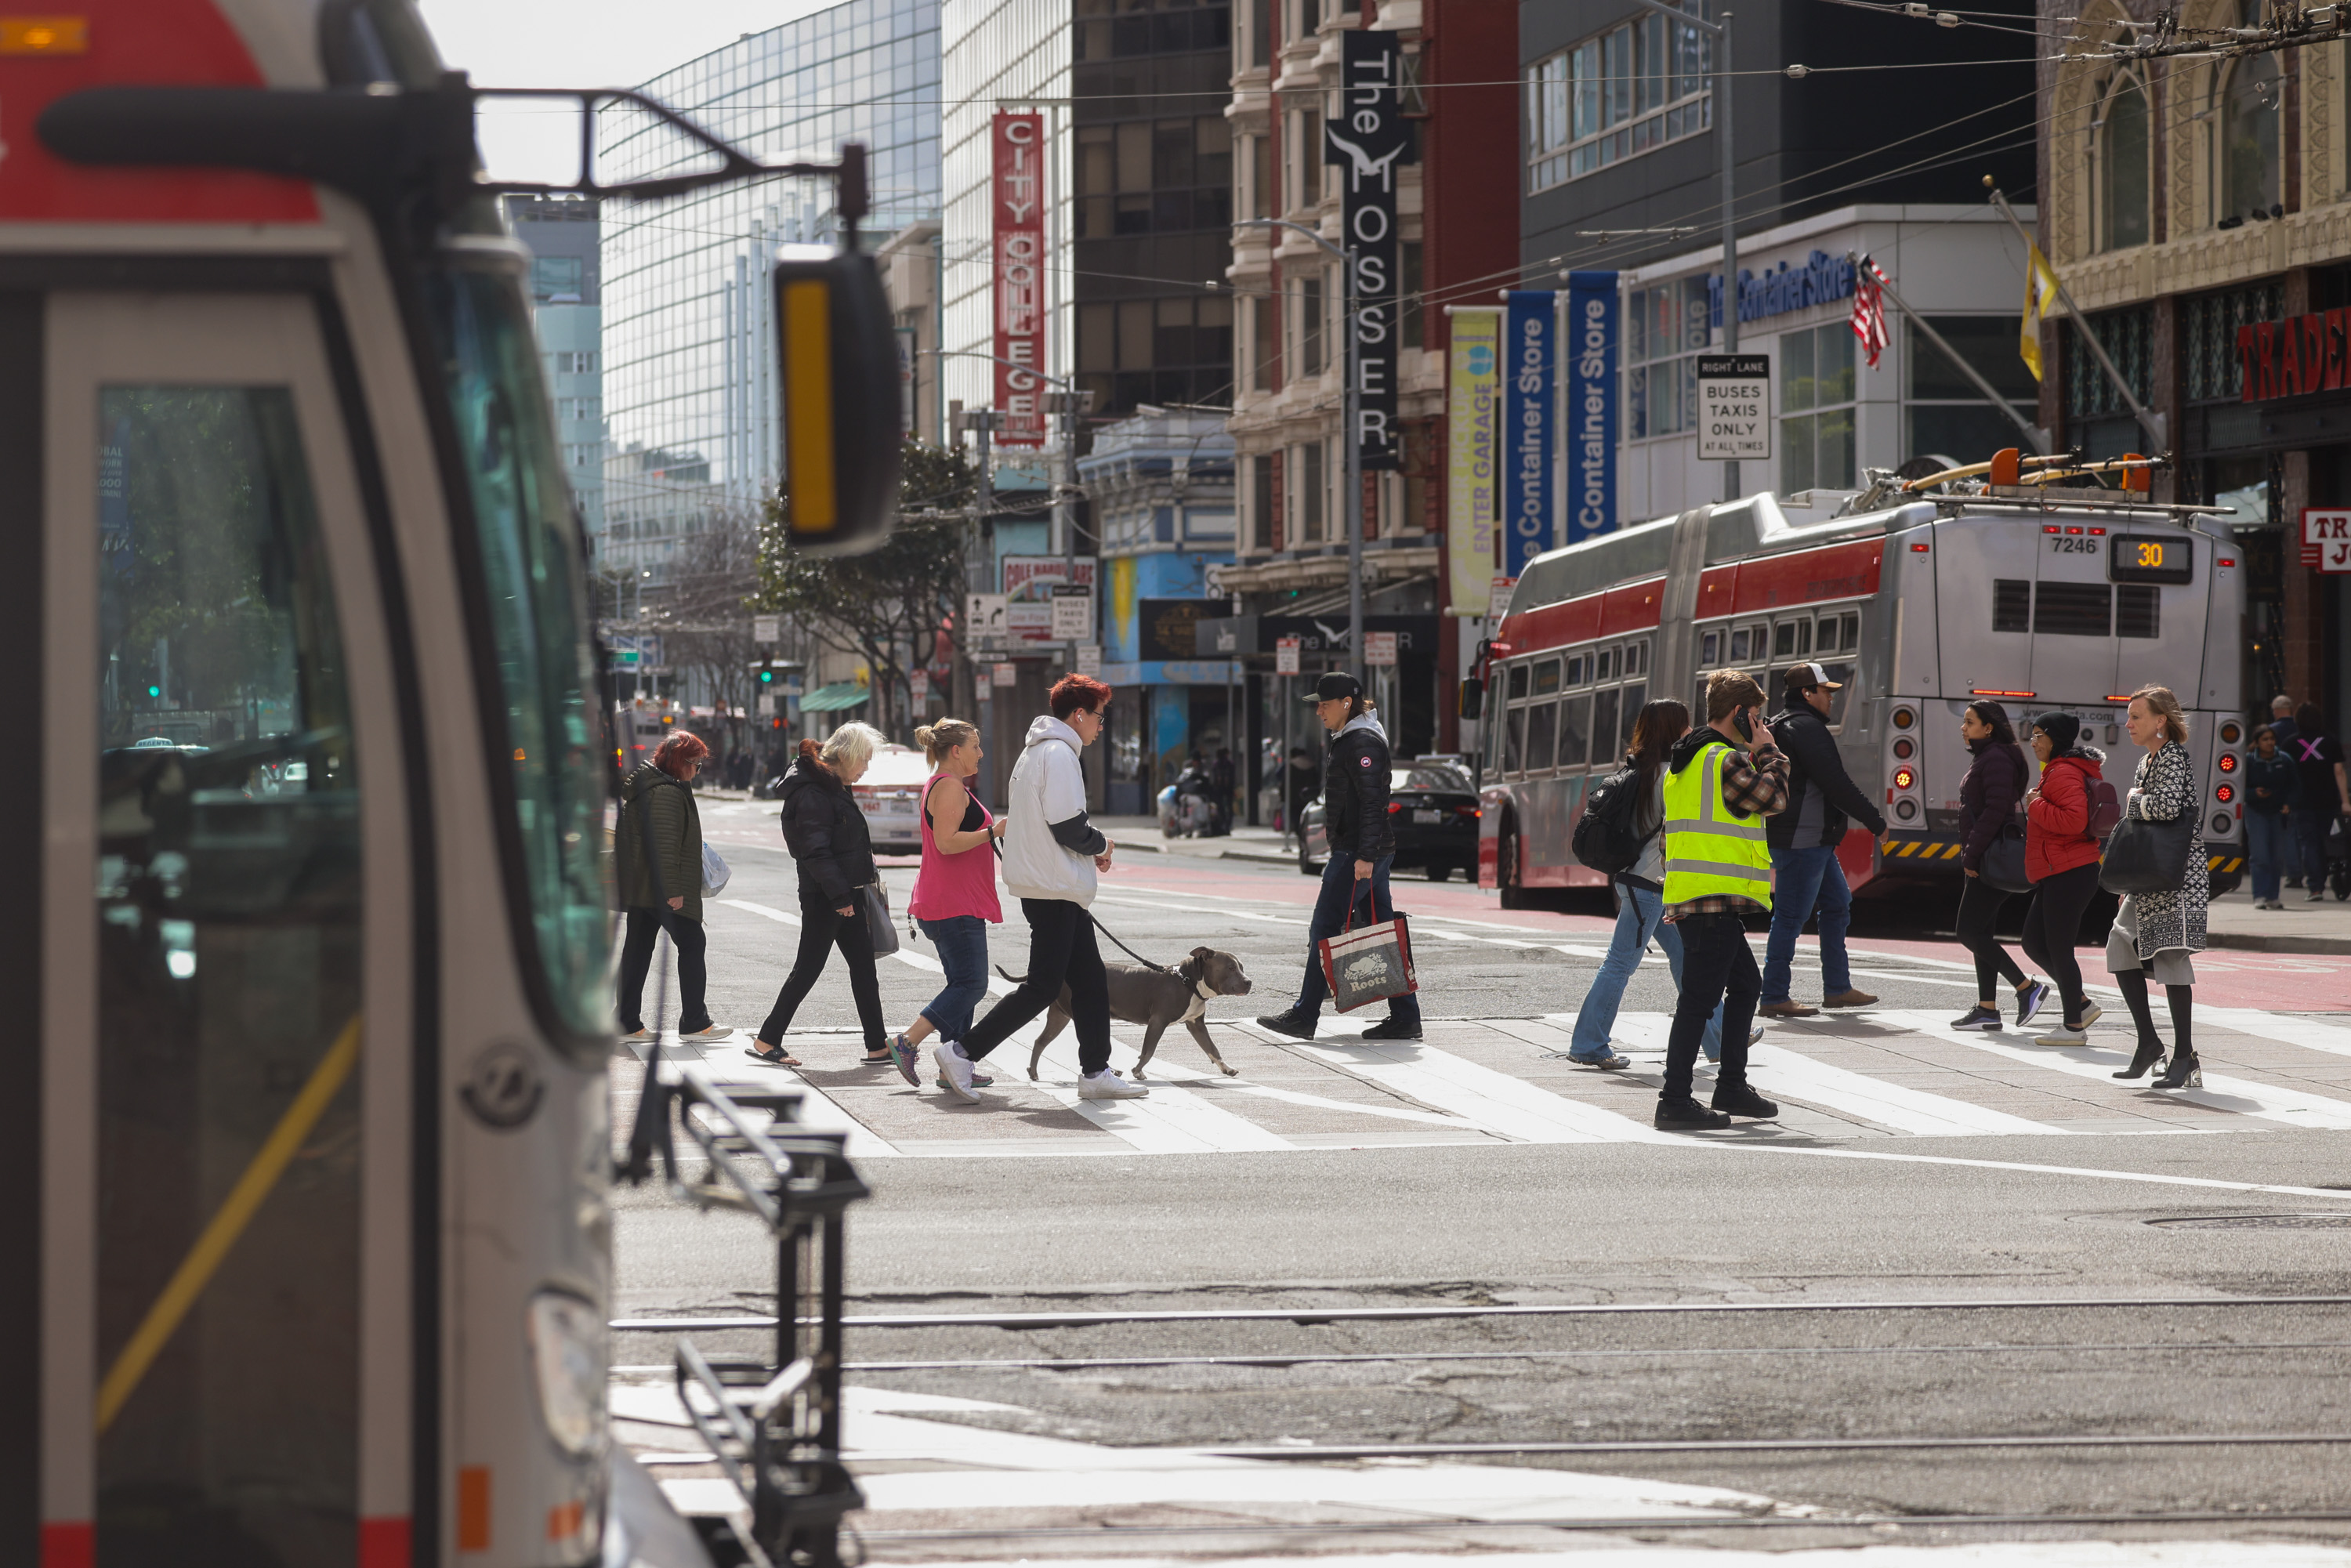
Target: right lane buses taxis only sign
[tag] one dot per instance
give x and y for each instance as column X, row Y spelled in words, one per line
column 1734, row 407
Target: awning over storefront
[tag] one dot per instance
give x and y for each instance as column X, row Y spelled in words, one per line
column 835, row 698
column 1170, row 672
column 1319, row 636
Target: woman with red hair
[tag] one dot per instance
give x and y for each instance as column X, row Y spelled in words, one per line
column 657, row 855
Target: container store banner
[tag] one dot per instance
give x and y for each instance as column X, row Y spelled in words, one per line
column 1530, row 381
column 1016, row 200
column 1368, row 138
column 1472, row 383
column 1591, row 416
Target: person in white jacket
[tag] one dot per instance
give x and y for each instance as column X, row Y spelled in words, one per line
column 1052, row 853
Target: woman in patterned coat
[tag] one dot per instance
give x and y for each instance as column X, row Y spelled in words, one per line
column 2158, row 932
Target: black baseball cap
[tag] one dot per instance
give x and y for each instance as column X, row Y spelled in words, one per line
column 1807, row 677
column 1333, row 685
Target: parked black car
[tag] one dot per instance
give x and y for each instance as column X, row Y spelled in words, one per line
column 1433, row 807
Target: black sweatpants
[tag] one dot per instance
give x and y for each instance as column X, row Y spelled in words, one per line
column 1718, row 966
column 821, row 931
column 1061, row 951
column 1979, row 906
column 2053, row 925
column 645, row 926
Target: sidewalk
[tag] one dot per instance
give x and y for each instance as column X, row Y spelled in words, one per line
column 1243, row 843
column 2302, row 927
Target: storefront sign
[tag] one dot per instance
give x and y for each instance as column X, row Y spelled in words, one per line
column 2295, row 357
column 1822, row 280
column 2327, row 539
column 1016, row 192
column 1168, row 628
column 1734, row 407
column 1317, row 635
column 1590, row 410
column 1368, row 138
column 1472, row 380
column 1530, row 380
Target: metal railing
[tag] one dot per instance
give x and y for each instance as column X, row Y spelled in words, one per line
column 773, row 1429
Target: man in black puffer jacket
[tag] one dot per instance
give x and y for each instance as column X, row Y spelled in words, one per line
column 1361, row 845
column 1804, row 838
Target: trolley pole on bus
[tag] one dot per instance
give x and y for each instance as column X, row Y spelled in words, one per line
column 1720, row 32
column 1351, row 467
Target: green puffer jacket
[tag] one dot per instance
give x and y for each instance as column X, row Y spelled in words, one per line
column 651, row 797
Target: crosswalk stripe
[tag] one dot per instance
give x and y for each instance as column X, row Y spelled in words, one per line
column 1494, row 1101
column 2285, row 1029
column 1778, row 1070
column 2221, row 1092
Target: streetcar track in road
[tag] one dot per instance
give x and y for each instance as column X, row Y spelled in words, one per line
column 1648, row 1524
column 1284, row 1451
column 1306, row 1317
column 1277, row 1361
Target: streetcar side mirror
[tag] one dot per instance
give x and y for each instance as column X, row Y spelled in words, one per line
column 1473, row 698
column 839, row 355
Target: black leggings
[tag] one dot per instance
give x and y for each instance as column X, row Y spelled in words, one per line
column 1979, row 907
column 645, row 926
column 2053, row 925
column 1061, row 951
column 822, row 930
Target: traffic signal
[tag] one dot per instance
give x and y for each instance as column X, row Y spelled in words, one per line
column 838, row 347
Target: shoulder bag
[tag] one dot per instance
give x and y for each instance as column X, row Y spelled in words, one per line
column 874, row 900
column 2146, row 857
column 2002, row 862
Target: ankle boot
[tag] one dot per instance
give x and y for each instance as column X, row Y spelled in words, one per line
column 2185, row 1072
column 2149, row 1054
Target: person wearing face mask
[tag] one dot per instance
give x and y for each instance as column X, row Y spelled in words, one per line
column 2060, row 857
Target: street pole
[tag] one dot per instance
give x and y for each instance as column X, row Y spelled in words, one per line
column 2148, row 421
column 1720, row 33
column 983, row 682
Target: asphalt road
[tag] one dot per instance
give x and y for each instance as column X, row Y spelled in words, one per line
column 1909, row 1166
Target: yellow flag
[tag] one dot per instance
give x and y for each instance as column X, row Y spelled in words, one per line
column 2040, row 288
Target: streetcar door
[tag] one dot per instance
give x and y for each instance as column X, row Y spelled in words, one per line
column 222, row 983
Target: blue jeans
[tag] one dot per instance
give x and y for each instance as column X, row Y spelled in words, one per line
column 962, row 942
column 1640, row 914
column 2310, row 827
column 2269, row 850
column 1800, row 879
column 1339, row 889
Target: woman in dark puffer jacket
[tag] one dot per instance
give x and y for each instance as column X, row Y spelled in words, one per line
column 1995, row 784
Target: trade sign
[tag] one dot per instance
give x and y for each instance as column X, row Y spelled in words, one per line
column 2327, row 539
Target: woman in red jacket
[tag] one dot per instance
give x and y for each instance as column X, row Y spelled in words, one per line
column 2060, row 856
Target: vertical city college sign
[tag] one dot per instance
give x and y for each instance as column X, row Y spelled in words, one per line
column 1017, row 197
column 1368, row 138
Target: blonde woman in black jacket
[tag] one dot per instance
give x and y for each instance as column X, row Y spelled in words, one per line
column 825, row 829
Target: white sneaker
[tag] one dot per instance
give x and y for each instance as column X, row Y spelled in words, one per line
column 954, row 1070
column 2060, row 1036
column 715, row 1031
column 1109, row 1085
column 637, row 1036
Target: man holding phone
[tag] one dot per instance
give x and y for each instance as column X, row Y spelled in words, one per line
column 1721, row 781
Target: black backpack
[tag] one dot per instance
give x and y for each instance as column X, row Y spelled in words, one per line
column 1607, row 837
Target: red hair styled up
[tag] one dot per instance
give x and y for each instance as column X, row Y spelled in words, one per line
column 678, row 749
column 1071, row 693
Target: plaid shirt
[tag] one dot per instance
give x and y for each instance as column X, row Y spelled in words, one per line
column 1753, row 785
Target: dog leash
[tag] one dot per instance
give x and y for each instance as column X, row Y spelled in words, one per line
column 997, row 845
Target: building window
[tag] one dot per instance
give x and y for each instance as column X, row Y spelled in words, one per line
column 1260, row 197
column 2119, row 159
column 552, row 275
column 1309, row 494
column 2248, row 98
column 1664, row 328
column 1816, row 409
column 1265, row 370
column 1638, row 86
column 1945, row 415
column 1409, row 319
column 2128, row 337
column 1310, row 324
column 2208, row 333
column 1261, row 493
column 1260, row 34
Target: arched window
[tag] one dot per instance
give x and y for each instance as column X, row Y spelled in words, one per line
column 2248, row 101
column 2120, row 151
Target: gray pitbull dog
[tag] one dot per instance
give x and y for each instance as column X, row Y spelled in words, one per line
column 1155, row 998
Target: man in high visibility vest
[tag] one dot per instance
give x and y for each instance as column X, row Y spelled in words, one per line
column 1721, row 781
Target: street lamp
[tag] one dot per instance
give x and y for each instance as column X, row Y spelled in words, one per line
column 1352, row 480
column 1720, row 33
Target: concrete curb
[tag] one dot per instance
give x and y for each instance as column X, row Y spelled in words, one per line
column 2241, row 942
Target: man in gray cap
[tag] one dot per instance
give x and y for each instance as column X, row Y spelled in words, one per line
column 1804, row 838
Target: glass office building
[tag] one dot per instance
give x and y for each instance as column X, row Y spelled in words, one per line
column 690, row 394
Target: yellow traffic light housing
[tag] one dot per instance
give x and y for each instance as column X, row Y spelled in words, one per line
column 840, row 380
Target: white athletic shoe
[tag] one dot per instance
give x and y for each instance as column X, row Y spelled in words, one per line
column 2061, row 1036
column 954, row 1070
column 715, row 1031
column 1109, row 1085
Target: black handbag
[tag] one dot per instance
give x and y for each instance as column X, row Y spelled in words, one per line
column 2146, row 857
column 874, row 900
column 2002, row 864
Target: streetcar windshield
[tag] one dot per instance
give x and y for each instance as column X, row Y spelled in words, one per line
column 532, row 576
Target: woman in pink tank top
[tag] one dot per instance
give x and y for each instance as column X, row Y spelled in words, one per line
column 955, row 892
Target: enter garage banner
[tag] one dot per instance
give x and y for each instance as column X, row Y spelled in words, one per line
column 1590, row 415
column 1472, row 384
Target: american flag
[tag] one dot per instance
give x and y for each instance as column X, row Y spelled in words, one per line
column 1869, row 309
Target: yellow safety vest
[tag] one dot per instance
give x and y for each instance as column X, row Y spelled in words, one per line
column 1709, row 852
